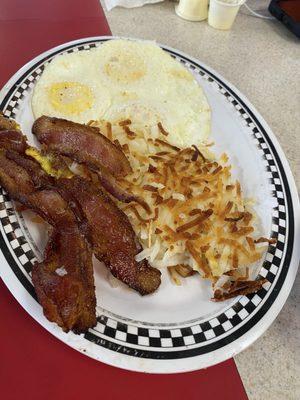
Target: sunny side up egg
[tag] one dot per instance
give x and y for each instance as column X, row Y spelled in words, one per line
column 68, row 90
column 124, row 79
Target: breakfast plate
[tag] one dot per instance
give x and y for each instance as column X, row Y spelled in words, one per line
column 178, row 328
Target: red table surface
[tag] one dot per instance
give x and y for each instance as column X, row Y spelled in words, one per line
column 33, row 363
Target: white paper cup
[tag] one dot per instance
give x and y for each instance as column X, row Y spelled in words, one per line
column 221, row 15
column 192, row 10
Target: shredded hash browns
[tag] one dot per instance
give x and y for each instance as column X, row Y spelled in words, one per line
column 197, row 219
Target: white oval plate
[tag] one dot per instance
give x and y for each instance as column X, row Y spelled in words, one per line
column 177, row 328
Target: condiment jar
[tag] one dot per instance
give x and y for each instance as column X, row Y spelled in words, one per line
column 192, row 10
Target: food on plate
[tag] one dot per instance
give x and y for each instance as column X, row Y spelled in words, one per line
column 64, row 281
column 106, row 228
column 85, row 145
column 7, row 124
column 214, row 239
column 238, row 287
column 125, row 79
column 198, row 220
column 110, row 234
column 69, row 88
column 12, row 139
column 82, row 143
column 174, row 229
column 125, row 173
column 84, row 220
column 51, row 163
column 10, row 136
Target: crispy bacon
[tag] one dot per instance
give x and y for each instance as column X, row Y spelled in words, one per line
column 83, row 143
column 64, row 281
column 37, row 175
column 12, row 139
column 111, row 235
column 112, row 186
column 109, row 182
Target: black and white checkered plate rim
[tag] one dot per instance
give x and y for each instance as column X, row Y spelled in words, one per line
column 191, row 338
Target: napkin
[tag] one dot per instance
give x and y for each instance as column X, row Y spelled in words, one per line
column 128, row 3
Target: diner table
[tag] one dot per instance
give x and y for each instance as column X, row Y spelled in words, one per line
column 262, row 59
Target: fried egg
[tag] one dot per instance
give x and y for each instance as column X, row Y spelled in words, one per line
column 66, row 89
column 124, row 79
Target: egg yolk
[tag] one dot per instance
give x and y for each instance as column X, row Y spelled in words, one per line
column 70, row 97
column 125, row 68
column 46, row 164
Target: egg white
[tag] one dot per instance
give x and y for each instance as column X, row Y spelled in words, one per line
column 127, row 79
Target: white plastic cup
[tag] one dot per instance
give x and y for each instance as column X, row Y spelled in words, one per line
column 221, row 14
column 192, row 10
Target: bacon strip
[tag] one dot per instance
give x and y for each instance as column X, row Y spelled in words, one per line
column 13, row 140
column 111, row 235
column 68, row 298
column 86, row 145
column 83, row 143
column 112, row 186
